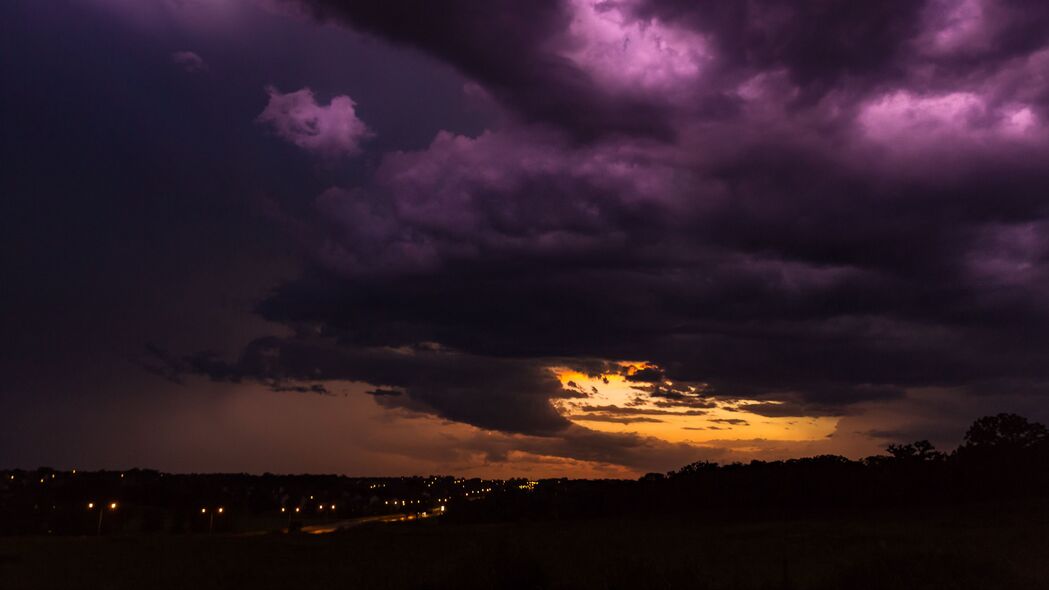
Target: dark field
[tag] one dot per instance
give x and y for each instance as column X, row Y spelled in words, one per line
column 1003, row 546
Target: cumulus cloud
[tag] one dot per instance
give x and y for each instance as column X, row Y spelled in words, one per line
column 331, row 130
column 544, row 69
column 189, row 61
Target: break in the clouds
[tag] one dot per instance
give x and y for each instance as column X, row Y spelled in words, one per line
column 669, row 228
column 331, row 130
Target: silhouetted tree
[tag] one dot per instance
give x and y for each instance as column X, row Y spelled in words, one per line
column 1004, row 454
column 1005, row 432
column 921, row 450
column 693, row 469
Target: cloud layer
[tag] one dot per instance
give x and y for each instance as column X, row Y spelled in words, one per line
column 814, row 204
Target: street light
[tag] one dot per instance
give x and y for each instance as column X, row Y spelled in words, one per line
column 296, row 511
column 211, row 517
column 101, row 511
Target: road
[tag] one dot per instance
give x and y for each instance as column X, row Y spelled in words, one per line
column 331, row 527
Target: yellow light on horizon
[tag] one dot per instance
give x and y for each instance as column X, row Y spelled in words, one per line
column 90, row 505
column 221, row 509
column 730, row 417
column 113, row 506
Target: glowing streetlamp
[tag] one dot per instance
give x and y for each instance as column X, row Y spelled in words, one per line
column 211, row 517
column 101, row 512
column 290, row 513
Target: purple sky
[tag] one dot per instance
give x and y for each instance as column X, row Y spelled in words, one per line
column 554, row 237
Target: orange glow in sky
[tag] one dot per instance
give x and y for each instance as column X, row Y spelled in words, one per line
column 616, row 404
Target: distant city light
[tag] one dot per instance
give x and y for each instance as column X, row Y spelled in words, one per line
column 113, row 506
column 90, row 505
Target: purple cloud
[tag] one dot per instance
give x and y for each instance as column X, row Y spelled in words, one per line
column 821, row 204
column 189, row 61
column 331, row 131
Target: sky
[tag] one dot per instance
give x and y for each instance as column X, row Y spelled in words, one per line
column 554, row 238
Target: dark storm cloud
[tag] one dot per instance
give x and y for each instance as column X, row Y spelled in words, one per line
column 506, row 395
column 614, row 418
column 646, row 375
column 818, row 42
column 731, row 421
column 506, row 46
column 864, row 213
column 611, row 409
column 782, row 409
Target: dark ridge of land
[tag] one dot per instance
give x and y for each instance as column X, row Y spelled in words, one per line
column 978, row 547
column 977, row 517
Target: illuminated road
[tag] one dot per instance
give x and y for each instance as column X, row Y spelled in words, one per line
column 331, row 527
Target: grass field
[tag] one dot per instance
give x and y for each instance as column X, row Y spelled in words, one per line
column 1007, row 547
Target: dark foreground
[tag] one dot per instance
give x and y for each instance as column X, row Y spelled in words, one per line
column 986, row 547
